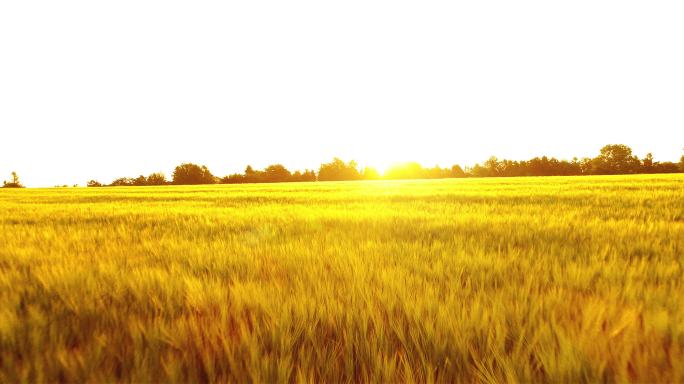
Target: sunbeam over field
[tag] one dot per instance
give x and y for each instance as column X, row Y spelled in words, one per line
column 494, row 280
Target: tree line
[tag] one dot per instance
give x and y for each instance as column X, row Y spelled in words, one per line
column 613, row 159
column 336, row 170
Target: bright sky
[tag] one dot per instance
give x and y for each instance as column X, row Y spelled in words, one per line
column 103, row 89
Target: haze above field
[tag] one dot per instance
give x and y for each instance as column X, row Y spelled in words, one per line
column 99, row 90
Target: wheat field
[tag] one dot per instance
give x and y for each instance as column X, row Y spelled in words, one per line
column 557, row 279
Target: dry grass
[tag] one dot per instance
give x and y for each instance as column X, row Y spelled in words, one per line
column 493, row 280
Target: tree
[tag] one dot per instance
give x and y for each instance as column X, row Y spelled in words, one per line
column 479, row 171
column 276, row 173
column 250, row 176
column 489, row 168
column 492, row 165
column 235, row 178
column 575, row 167
column 122, row 182
column 665, row 167
column 156, row 178
column 339, row 170
column 647, row 163
column 140, row 181
column 457, row 171
column 616, row 159
column 192, row 174
column 13, row 183
column 93, row 183
column 308, row 175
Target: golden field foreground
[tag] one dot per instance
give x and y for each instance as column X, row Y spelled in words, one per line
column 492, row 280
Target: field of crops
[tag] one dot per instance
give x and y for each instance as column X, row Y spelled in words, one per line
column 493, row 280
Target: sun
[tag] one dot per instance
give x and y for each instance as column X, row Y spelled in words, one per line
column 386, row 158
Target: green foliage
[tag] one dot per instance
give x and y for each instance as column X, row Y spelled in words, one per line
column 192, row 174
column 122, row 182
column 153, row 179
column 157, row 178
column 614, row 159
column 338, row 170
column 457, row 171
column 526, row 280
column 140, row 181
column 276, row 173
column 307, row 175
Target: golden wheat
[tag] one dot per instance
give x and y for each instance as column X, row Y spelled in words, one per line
column 493, row 280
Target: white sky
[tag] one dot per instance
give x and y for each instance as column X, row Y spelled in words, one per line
column 102, row 89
